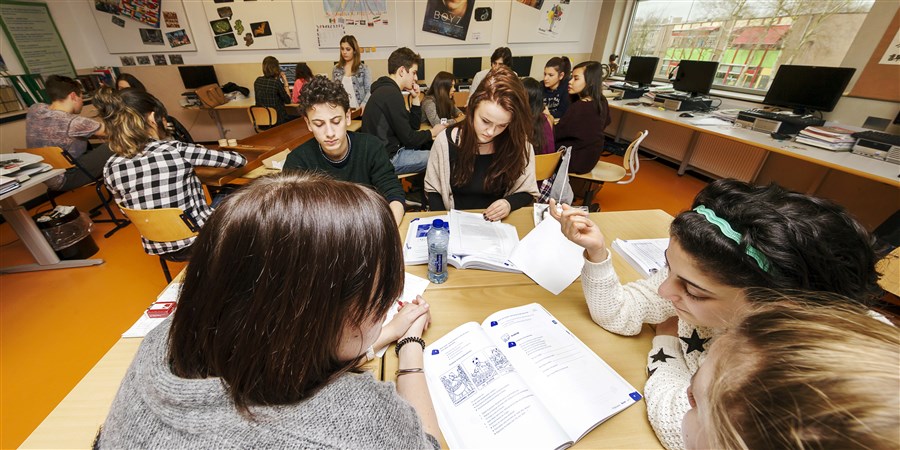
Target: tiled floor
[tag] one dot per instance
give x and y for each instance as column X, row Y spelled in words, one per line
column 55, row 325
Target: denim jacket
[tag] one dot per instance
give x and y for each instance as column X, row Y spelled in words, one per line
column 362, row 81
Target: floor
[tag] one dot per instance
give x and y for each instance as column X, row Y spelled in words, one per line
column 55, row 325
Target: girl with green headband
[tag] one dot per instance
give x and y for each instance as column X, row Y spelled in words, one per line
column 735, row 237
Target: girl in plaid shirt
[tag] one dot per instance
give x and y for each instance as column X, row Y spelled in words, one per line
column 149, row 171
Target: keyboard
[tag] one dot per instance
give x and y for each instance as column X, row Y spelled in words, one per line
column 878, row 136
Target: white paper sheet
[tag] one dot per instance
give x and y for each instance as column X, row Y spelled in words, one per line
column 548, row 258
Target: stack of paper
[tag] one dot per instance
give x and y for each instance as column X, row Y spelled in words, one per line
column 648, row 256
column 829, row 138
column 8, row 184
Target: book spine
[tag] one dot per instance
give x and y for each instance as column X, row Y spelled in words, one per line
column 22, row 90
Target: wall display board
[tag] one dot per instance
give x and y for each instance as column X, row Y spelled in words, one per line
column 251, row 25
column 546, row 20
column 143, row 26
column 879, row 79
column 454, row 22
column 35, row 39
column 372, row 22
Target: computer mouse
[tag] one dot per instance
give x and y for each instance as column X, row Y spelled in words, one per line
column 685, row 114
column 780, row 136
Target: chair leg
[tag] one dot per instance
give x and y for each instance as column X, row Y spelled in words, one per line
column 104, row 203
column 165, row 269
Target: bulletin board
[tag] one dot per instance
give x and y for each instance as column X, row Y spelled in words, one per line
column 438, row 23
column 35, row 39
column 143, row 26
column 251, row 25
column 546, row 20
column 372, row 22
column 880, row 79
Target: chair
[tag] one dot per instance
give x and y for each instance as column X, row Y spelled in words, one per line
column 262, row 117
column 179, row 132
column 162, row 225
column 605, row 172
column 415, row 196
column 545, row 165
column 58, row 159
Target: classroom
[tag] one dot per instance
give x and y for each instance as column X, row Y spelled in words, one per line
column 61, row 344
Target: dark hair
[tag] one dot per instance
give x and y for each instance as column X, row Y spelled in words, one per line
column 303, row 72
column 270, row 67
column 535, row 91
column 402, row 57
column 502, row 86
column 132, row 81
column 58, row 87
column 124, row 114
column 562, row 65
column 440, row 91
column 593, row 83
column 279, row 271
column 811, row 243
column 504, row 54
column 351, row 41
column 321, row 90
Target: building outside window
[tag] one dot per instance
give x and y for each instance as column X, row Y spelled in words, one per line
column 749, row 39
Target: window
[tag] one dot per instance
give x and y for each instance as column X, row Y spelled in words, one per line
column 749, row 39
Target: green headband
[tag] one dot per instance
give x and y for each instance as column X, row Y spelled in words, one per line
column 729, row 232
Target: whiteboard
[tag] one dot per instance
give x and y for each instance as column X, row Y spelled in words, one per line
column 530, row 20
column 435, row 25
column 251, row 25
column 124, row 34
column 372, row 22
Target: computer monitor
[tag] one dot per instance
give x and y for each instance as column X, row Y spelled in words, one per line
column 421, row 75
column 522, row 65
column 289, row 71
column 808, row 88
column 196, row 76
column 641, row 70
column 466, row 68
column 695, row 77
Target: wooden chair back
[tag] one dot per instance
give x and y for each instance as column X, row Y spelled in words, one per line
column 262, row 116
column 631, row 162
column 162, row 225
column 545, row 165
column 51, row 155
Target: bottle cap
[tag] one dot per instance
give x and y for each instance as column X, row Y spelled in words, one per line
column 437, row 223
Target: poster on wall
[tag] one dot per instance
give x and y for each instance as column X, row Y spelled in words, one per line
column 546, row 20
column 140, row 26
column 251, row 25
column 372, row 22
column 448, row 22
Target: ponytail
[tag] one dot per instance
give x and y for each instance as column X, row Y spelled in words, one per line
column 124, row 114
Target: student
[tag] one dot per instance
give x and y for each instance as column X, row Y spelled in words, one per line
column 282, row 302
column 389, row 120
column 798, row 377
column 271, row 89
column 127, row 80
column 735, row 237
column 302, row 76
column 352, row 73
column 60, row 125
column 583, row 124
column 541, row 120
column 502, row 56
column 486, row 161
column 556, row 85
column 438, row 103
column 149, row 171
column 355, row 157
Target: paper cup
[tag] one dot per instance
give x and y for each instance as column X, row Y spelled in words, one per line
column 223, row 142
column 232, row 142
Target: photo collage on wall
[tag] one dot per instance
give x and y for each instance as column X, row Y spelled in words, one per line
column 238, row 26
column 552, row 15
column 158, row 27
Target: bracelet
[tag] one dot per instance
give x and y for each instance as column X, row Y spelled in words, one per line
column 408, row 371
column 407, row 340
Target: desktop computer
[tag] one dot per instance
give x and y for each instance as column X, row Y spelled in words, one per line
column 679, row 102
column 626, row 92
column 783, row 122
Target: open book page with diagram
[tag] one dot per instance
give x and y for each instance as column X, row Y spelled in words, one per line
column 521, row 379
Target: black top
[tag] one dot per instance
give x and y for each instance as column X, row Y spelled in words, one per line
column 386, row 117
column 582, row 129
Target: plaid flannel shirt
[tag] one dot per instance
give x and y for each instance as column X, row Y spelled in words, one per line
column 270, row 92
column 162, row 176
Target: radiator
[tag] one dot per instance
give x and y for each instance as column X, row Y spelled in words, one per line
column 665, row 139
column 724, row 158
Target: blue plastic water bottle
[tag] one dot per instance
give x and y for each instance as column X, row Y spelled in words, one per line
column 438, row 238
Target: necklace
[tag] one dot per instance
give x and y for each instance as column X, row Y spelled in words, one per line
column 346, row 155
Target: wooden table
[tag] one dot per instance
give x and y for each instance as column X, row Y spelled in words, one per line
column 889, row 267
column 472, row 295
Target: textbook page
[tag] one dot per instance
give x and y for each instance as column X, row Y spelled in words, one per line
column 479, row 398
column 470, row 234
column 648, row 256
column 415, row 248
column 578, row 388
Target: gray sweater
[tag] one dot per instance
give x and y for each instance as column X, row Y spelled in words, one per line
column 156, row 409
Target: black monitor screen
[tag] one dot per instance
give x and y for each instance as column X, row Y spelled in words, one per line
column 808, row 87
column 421, row 75
column 641, row 70
column 466, row 68
column 695, row 77
column 522, row 65
column 289, row 71
column 196, row 76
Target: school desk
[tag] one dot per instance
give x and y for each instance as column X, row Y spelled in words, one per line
column 471, row 295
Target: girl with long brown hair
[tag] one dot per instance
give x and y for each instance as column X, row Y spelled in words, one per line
column 438, row 102
column 353, row 73
column 486, row 161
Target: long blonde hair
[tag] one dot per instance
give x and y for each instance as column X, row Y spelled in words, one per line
column 794, row 375
column 125, row 116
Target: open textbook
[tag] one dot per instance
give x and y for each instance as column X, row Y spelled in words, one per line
column 648, row 256
column 520, row 379
column 474, row 242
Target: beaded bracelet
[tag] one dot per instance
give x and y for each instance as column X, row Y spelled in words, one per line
column 407, row 340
